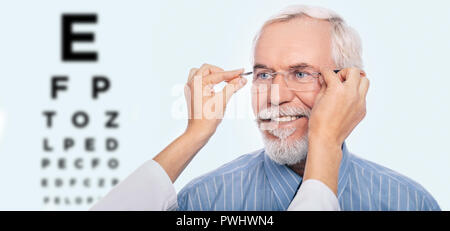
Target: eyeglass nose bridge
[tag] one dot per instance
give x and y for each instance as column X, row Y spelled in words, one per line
column 288, row 77
column 284, row 74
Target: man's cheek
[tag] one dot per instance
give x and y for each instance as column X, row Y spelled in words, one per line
column 308, row 98
column 259, row 99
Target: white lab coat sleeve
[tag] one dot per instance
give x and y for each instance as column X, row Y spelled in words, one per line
column 147, row 188
column 313, row 195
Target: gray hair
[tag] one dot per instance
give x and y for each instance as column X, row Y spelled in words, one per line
column 346, row 43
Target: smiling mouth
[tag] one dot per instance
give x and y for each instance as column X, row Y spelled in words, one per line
column 282, row 118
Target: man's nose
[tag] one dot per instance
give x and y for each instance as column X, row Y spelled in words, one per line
column 280, row 92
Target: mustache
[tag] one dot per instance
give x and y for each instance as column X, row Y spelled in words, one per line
column 274, row 112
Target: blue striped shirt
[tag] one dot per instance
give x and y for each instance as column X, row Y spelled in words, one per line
column 255, row 182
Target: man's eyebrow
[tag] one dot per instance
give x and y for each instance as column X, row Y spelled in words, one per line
column 301, row 66
column 293, row 66
column 260, row 66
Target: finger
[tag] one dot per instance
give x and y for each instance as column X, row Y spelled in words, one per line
column 323, row 85
column 192, row 73
column 364, row 86
column 218, row 77
column 340, row 77
column 352, row 76
column 330, row 78
column 207, row 69
column 232, row 87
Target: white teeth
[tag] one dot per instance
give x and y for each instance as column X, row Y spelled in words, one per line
column 284, row 118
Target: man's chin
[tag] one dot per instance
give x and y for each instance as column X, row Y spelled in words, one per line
column 286, row 151
column 287, row 138
column 272, row 137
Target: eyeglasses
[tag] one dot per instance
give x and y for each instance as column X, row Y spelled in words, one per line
column 305, row 79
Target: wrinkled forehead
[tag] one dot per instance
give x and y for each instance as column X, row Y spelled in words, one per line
column 299, row 40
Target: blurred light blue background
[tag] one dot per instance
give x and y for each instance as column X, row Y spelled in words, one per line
column 146, row 48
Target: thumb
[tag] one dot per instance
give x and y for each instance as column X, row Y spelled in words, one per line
column 232, row 87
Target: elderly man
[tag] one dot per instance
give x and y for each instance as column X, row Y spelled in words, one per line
column 308, row 94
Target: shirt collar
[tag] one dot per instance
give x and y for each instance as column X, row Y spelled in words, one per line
column 285, row 182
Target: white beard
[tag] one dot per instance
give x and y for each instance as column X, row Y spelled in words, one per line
column 285, row 152
column 281, row 149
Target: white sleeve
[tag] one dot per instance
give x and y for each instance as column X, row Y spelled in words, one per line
column 147, row 188
column 314, row 195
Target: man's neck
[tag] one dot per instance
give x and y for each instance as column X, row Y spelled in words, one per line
column 299, row 167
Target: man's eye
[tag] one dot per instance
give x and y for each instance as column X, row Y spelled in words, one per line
column 301, row 75
column 263, row 75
